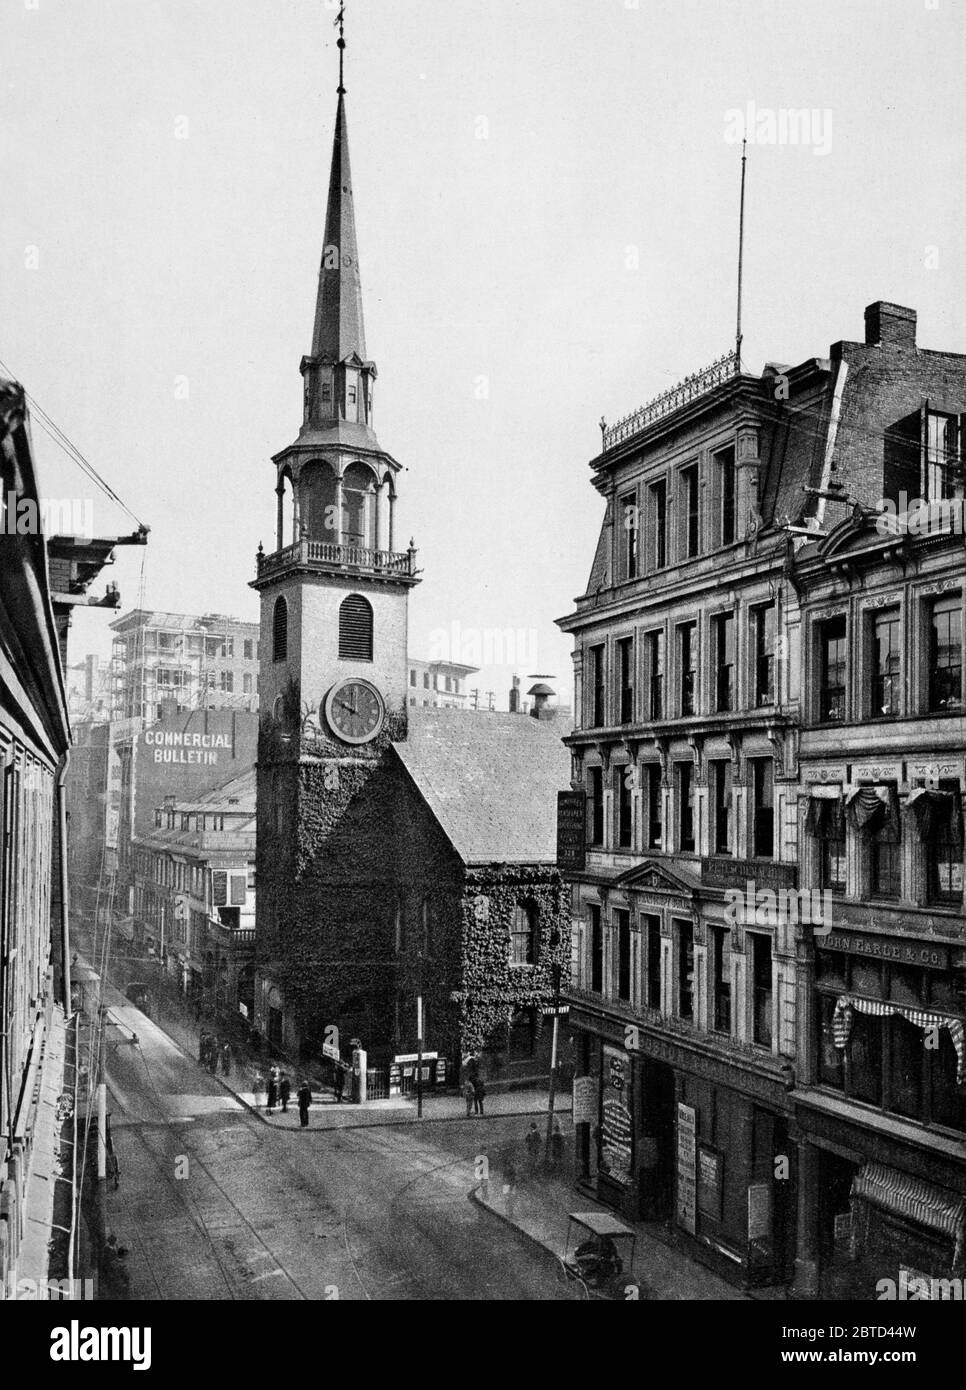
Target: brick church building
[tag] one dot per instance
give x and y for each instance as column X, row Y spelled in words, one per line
column 401, row 851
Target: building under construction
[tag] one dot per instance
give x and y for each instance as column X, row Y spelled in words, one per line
column 207, row 662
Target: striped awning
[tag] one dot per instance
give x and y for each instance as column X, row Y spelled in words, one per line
column 917, row 1200
column 847, row 1004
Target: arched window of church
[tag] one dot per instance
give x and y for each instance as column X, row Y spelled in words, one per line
column 355, row 629
column 524, row 934
column 358, row 498
column 280, row 630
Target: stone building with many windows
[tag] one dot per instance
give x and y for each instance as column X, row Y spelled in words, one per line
column 880, row 1105
column 767, row 915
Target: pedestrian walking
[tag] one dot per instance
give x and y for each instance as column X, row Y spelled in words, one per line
column 556, row 1148
column 284, row 1091
column 468, row 1094
column 532, row 1142
column 272, row 1094
column 479, row 1093
column 258, row 1089
column 304, row 1098
column 338, row 1081
column 202, row 1046
column 214, row 1047
column 226, row 1058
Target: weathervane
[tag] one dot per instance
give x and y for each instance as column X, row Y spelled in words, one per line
column 340, row 21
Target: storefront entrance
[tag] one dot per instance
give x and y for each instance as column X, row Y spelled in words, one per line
column 656, row 1144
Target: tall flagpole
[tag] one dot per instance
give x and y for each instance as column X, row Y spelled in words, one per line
column 741, row 253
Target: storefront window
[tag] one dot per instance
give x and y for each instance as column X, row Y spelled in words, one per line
column 866, row 977
column 830, row 969
column 905, row 1073
column 831, row 1069
column 948, row 1098
column 865, row 1058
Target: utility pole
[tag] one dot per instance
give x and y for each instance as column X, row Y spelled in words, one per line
column 419, row 1046
column 553, row 1054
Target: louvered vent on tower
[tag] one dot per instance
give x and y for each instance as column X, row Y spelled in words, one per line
column 355, row 629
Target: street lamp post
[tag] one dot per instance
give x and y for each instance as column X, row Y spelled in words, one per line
column 553, row 1054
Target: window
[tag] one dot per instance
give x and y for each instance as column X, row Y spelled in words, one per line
column 761, row 988
column 725, row 461
column 652, row 787
column 652, row 952
column 721, row 979
column 629, row 537
column 685, row 935
column 280, row 630
column 658, row 496
column 228, row 681
column 885, row 859
column 940, row 455
column 687, row 664
column 721, row 805
column 185, row 821
column 412, row 677
column 247, row 649
column 724, row 656
column 595, row 795
column 623, row 784
column 946, row 654
column 763, row 635
column 763, row 808
column 655, row 675
column 885, row 663
column 355, row 629
column 596, row 951
column 832, row 654
column 425, row 680
column 246, row 685
column 944, row 849
column 625, row 663
column 598, row 716
column 830, row 831
column 690, row 511
column 350, row 393
column 622, row 921
column 684, row 777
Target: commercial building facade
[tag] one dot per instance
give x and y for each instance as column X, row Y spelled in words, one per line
column 770, row 749
column 204, row 662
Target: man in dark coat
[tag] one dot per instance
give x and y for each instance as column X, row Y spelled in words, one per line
column 284, row 1091
column 272, row 1095
column 304, row 1097
column 338, row 1082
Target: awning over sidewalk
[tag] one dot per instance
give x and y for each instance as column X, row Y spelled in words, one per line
column 919, row 1201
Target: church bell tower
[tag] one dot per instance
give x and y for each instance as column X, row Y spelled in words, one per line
column 333, row 656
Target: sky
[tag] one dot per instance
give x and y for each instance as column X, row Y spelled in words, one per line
column 547, row 208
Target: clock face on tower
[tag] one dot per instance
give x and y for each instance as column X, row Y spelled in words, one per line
column 354, row 711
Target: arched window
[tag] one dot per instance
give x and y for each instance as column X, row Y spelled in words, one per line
column 355, row 629
column 280, row 630
column 523, row 934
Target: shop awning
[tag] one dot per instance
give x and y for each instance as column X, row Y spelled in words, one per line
column 847, row 1004
column 917, row 1200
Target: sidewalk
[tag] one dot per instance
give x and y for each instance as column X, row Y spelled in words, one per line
column 538, row 1207
column 326, row 1112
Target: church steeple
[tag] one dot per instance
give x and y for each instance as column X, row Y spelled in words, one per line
column 338, row 376
column 339, row 327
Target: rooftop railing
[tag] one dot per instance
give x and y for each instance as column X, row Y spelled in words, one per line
column 686, row 391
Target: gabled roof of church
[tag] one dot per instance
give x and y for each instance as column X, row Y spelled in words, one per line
column 490, row 780
column 339, row 329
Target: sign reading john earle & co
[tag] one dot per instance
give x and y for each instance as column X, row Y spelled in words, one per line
column 571, row 832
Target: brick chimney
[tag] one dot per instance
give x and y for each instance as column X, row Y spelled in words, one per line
column 890, row 325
